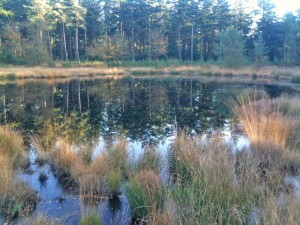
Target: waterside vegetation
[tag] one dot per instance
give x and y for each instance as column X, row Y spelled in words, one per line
column 208, row 183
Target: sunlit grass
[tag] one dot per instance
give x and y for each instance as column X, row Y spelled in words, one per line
column 263, row 121
column 11, row 143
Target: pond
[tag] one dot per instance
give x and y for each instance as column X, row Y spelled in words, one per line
column 146, row 111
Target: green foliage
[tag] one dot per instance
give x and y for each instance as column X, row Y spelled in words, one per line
column 35, row 55
column 231, row 50
column 142, row 30
column 259, row 53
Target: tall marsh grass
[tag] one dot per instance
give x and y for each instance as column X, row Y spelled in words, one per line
column 207, row 191
column 11, row 143
column 263, row 121
column 144, row 193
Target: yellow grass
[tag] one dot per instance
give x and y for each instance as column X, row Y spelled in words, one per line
column 262, row 122
column 59, row 72
column 11, row 143
column 90, row 176
column 64, row 154
column 6, row 176
column 46, row 72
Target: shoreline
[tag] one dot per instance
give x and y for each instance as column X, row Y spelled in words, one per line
column 266, row 75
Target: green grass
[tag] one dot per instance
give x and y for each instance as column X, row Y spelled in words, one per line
column 149, row 161
column 91, row 219
column 144, row 193
column 114, row 181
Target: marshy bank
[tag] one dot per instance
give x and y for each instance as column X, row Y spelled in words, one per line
column 189, row 153
column 283, row 74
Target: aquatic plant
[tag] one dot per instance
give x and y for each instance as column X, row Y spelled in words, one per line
column 205, row 191
column 144, row 193
column 114, row 181
column 91, row 219
column 117, row 156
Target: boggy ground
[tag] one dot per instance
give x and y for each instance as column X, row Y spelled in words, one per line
column 138, row 69
column 208, row 182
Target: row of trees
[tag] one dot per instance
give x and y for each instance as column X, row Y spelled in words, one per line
column 40, row 31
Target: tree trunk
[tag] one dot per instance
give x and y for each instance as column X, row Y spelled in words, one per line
column 149, row 40
column 50, row 46
column 132, row 37
column 65, row 42
column 76, row 43
column 87, row 94
column 150, row 103
column 132, row 45
column 41, row 34
column 179, row 43
column 79, row 96
column 191, row 93
column 192, row 43
column 68, row 96
column 85, row 44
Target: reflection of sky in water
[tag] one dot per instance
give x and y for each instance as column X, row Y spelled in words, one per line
column 295, row 182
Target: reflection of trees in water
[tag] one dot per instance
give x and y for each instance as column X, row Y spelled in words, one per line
column 142, row 109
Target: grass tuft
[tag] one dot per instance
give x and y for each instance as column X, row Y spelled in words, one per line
column 11, row 143
column 144, row 193
column 91, row 219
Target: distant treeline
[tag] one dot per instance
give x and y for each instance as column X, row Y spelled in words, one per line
column 37, row 32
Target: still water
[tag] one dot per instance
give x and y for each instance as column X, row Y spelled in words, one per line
column 95, row 112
